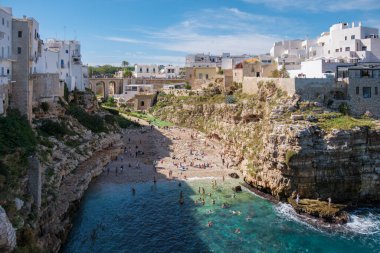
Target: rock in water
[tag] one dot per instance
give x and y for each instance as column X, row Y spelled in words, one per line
column 237, row 188
column 7, row 233
column 234, row 175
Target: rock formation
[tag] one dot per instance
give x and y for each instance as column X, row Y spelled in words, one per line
column 7, row 233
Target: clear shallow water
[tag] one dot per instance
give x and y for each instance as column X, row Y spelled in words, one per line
column 111, row 219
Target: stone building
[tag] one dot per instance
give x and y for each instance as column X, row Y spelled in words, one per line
column 199, row 76
column 5, row 57
column 362, row 82
column 26, row 47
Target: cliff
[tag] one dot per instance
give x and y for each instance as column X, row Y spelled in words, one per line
column 48, row 166
column 283, row 144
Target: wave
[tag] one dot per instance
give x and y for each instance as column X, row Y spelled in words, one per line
column 364, row 221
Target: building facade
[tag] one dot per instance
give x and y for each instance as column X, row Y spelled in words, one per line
column 26, row 47
column 5, row 57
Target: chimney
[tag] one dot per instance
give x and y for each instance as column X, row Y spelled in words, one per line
column 353, row 24
column 360, row 23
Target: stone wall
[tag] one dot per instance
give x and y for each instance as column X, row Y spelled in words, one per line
column 308, row 88
column 46, row 87
column 359, row 104
column 34, row 178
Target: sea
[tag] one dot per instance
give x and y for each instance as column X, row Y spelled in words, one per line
column 112, row 218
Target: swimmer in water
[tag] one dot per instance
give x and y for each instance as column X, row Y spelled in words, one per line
column 209, row 224
column 203, row 201
column 237, row 231
column 213, row 201
column 248, row 218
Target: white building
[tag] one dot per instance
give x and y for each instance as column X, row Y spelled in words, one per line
column 5, row 56
column 230, row 61
column 171, row 72
column 289, row 52
column 131, row 90
column 348, row 43
column 147, row 71
column 203, row 60
column 64, row 58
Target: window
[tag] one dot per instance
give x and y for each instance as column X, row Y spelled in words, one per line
column 337, row 50
column 206, row 76
column 257, row 74
column 142, row 103
column 154, row 70
column 62, row 64
column 140, row 70
column 345, row 37
column 328, row 52
column 364, row 48
column 352, row 37
column 357, row 90
column 20, row 34
column 340, row 49
column 67, row 51
column 376, row 91
column 366, row 92
column 3, row 21
column 147, row 70
column 347, row 49
column 19, row 50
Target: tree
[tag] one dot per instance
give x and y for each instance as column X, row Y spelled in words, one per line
column 275, row 73
column 283, row 72
column 125, row 64
column 127, row 73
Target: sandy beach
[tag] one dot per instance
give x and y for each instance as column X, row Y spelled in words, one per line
column 172, row 153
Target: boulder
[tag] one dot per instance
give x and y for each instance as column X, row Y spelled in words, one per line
column 237, row 188
column 7, row 233
column 19, row 203
column 234, row 175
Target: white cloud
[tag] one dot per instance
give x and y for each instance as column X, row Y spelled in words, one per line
column 127, row 40
column 320, row 5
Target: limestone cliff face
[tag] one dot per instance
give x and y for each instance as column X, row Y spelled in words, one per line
column 280, row 153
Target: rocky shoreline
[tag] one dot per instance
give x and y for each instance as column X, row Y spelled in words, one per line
column 55, row 219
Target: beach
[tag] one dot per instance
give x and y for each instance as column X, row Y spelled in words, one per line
column 171, row 153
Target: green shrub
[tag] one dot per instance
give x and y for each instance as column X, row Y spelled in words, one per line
column 16, row 133
column 344, row 108
column 93, row 122
column 110, row 102
column 289, row 155
column 66, row 93
column 45, row 106
column 112, row 111
column 230, row 99
column 53, row 128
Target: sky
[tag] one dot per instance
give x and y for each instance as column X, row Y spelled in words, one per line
column 165, row 31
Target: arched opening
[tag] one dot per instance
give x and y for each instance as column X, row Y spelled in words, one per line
column 111, row 88
column 100, row 89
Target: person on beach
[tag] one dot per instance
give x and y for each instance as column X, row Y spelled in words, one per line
column 329, row 200
column 133, row 191
column 154, row 180
column 181, row 201
column 297, row 198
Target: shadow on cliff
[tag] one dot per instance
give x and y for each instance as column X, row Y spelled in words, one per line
column 112, row 218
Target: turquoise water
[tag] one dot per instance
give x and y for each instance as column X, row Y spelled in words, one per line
column 112, row 219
